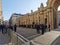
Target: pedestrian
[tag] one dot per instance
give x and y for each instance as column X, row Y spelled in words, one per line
column 11, row 27
column 45, row 27
column 15, row 27
column 49, row 28
column 38, row 28
column 2, row 26
column 6, row 28
column 42, row 28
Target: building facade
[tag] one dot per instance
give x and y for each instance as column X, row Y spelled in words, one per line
column 1, row 20
column 13, row 19
column 44, row 15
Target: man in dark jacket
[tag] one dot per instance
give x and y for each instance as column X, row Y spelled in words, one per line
column 2, row 26
column 49, row 28
column 43, row 28
column 15, row 27
column 38, row 28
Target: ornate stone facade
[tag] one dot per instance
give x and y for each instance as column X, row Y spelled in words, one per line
column 44, row 15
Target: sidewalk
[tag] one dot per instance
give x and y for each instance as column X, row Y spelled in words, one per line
column 46, row 39
column 4, row 39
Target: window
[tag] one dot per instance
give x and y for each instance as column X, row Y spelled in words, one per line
column 45, row 20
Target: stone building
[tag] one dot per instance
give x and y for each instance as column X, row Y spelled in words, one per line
column 44, row 15
column 1, row 20
column 13, row 19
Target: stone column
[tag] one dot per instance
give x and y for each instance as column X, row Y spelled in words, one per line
column 50, row 17
column 56, row 18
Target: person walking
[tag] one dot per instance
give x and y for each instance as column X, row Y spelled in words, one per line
column 38, row 28
column 49, row 28
column 15, row 27
column 6, row 28
column 42, row 28
column 2, row 27
column 45, row 27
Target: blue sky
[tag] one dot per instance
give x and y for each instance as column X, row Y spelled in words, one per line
column 19, row 6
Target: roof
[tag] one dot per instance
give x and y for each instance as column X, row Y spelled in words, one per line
column 16, row 14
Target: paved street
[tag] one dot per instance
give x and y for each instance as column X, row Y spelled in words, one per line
column 57, row 41
column 27, row 32
column 4, row 39
column 45, row 39
column 49, row 38
column 31, row 34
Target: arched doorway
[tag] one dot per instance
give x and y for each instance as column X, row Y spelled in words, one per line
column 53, row 12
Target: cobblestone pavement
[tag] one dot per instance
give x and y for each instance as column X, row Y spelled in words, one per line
column 27, row 32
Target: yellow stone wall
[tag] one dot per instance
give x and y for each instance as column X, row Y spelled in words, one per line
column 37, row 16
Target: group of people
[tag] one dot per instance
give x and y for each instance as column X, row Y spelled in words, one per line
column 38, row 27
column 42, row 27
column 4, row 28
column 14, row 27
